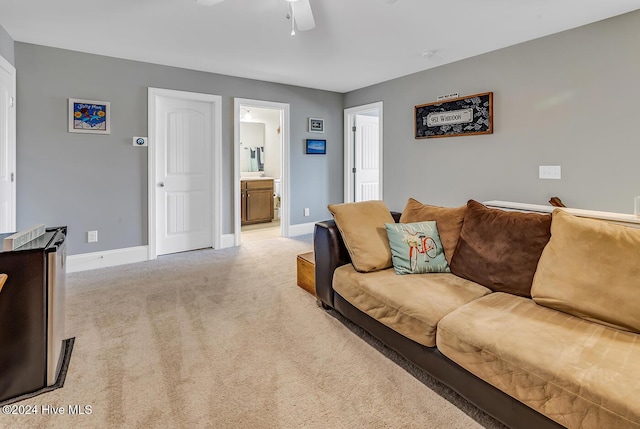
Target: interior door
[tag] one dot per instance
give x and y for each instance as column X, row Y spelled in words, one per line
column 7, row 147
column 367, row 158
column 184, row 179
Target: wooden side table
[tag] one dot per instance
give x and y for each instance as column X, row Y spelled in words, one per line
column 306, row 270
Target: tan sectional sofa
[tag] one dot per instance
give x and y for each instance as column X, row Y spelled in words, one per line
column 537, row 322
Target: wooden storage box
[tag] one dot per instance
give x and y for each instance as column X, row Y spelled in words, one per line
column 306, row 266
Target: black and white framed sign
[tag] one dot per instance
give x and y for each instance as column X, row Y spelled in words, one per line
column 316, row 125
column 462, row 116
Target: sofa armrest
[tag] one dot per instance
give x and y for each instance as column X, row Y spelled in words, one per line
column 330, row 253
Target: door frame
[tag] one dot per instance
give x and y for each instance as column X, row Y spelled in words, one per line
column 349, row 147
column 216, row 162
column 11, row 70
column 284, row 162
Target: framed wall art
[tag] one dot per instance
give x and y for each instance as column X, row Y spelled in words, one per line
column 89, row 116
column 316, row 147
column 462, row 116
column 316, row 125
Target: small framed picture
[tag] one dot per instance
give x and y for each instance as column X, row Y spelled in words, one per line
column 89, row 116
column 316, row 125
column 316, row 147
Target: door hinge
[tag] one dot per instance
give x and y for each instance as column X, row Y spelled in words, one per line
column 353, row 170
column 353, row 129
column 12, row 177
column 12, row 101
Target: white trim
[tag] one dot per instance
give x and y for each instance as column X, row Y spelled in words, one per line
column 301, row 229
column 107, row 258
column 618, row 218
column 284, row 163
column 228, row 240
column 349, row 115
column 6, row 65
column 216, row 100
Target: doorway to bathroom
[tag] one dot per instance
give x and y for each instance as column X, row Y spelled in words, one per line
column 261, row 142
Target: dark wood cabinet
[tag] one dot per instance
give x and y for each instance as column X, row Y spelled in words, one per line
column 243, row 202
column 256, row 201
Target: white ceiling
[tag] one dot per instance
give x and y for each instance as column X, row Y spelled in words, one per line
column 356, row 43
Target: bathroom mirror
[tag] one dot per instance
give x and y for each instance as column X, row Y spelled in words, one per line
column 252, row 136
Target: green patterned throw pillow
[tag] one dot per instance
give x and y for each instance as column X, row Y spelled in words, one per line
column 416, row 248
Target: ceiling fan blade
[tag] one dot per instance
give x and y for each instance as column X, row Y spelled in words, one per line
column 304, row 15
column 208, row 2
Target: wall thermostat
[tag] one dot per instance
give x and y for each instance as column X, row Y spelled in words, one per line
column 140, row 141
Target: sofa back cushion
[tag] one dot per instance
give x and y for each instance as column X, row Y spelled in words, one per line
column 449, row 221
column 500, row 249
column 591, row 269
column 362, row 226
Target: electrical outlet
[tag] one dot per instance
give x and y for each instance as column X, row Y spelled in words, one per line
column 92, row 236
column 306, row 212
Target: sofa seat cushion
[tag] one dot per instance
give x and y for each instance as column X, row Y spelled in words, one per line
column 411, row 305
column 578, row 373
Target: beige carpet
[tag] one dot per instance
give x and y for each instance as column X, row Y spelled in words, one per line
column 225, row 339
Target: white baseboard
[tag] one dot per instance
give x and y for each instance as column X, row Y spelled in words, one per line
column 227, row 240
column 130, row 255
column 108, row 258
column 301, row 229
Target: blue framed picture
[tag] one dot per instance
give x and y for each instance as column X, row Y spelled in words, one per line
column 89, row 116
column 316, row 147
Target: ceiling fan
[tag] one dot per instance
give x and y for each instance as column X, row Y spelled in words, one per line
column 301, row 16
column 299, row 13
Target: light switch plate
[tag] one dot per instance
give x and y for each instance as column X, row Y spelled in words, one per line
column 550, row 172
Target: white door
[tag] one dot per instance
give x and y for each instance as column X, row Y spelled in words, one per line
column 7, row 147
column 363, row 161
column 184, row 179
column 367, row 158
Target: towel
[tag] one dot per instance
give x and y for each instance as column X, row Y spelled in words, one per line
column 260, row 158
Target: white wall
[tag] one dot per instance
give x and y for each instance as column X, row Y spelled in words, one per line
column 6, row 46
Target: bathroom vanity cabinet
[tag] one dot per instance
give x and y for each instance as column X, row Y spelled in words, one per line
column 256, row 200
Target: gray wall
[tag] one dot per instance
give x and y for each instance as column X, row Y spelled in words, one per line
column 567, row 99
column 571, row 99
column 6, row 46
column 99, row 182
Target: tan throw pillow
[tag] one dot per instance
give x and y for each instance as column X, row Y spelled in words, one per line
column 591, row 269
column 449, row 221
column 500, row 249
column 364, row 233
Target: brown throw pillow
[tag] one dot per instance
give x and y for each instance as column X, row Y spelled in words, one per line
column 500, row 249
column 449, row 221
column 362, row 226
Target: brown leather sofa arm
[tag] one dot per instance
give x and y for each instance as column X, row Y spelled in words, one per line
column 330, row 253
